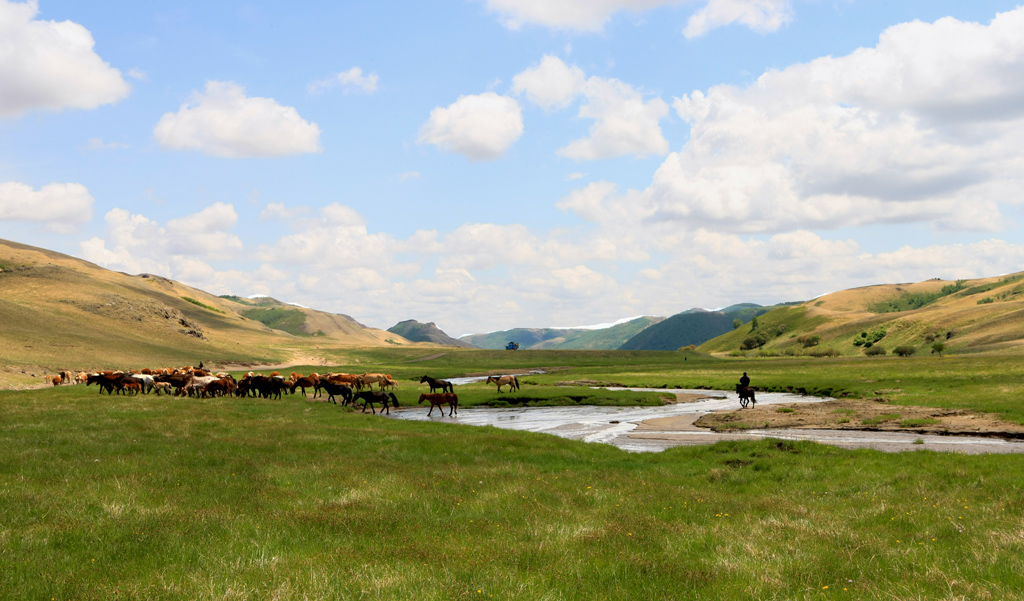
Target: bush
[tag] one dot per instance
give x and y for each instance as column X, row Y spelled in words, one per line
column 828, row 352
column 986, row 300
column 736, row 323
column 809, row 341
column 756, row 341
column 904, row 351
column 938, row 347
column 875, row 351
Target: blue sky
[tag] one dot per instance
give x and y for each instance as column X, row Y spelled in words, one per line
column 486, row 164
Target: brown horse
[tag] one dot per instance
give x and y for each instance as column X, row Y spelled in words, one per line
column 445, row 398
column 512, row 381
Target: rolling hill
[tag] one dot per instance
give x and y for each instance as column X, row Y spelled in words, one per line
column 608, row 338
column 59, row 312
column 695, row 326
column 964, row 316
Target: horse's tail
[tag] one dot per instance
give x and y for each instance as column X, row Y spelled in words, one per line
column 515, row 381
column 394, row 399
column 450, row 387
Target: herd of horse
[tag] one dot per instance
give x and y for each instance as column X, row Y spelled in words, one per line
column 353, row 389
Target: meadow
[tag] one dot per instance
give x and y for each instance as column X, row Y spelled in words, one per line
column 110, row 497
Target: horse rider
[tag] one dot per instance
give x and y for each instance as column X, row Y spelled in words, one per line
column 745, row 381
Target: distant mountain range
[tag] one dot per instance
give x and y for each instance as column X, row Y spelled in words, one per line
column 563, row 338
column 695, row 327
column 415, row 331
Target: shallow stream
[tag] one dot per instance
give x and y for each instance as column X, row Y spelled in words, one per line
column 618, row 426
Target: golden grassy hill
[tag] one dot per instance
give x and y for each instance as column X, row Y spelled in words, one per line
column 58, row 312
column 966, row 316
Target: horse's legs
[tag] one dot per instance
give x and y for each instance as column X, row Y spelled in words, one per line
column 432, row 410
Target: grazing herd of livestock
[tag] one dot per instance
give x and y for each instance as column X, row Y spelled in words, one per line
column 190, row 381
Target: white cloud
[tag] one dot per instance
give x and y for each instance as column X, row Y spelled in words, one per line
column 550, row 85
column 925, row 127
column 408, row 175
column 180, row 249
column 759, row 15
column 624, row 123
column 222, row 121
column 138, row 74
column 62, row 207
column 352, row 80
column 580, row 15
column 479, row 127
column 51, row 65
column 591, row 15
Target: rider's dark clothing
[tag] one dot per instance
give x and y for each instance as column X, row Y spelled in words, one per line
column 744, row 381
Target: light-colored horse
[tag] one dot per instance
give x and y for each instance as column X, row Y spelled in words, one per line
column 512, row 381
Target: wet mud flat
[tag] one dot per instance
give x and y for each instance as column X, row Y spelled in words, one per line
column 653, row 429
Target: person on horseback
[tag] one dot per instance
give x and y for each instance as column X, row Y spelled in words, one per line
column 745, row 381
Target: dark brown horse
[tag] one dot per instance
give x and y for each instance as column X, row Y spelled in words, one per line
column 436, row 400
column 369, row 397
column 746, row 395
column 434, row 384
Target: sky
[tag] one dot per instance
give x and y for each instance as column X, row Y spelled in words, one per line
column 489, row 164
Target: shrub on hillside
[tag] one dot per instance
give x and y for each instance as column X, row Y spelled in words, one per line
column 938, row 347
column 874, row 351
column 809, row 341
column 827, row 352
column 756, row 341
column 904, row 351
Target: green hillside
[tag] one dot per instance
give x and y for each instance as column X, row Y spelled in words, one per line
column 931, row 317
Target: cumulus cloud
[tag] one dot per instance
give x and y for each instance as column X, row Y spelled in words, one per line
column 349, row 81
column 479, row 127
column 591, row 15
column 181, row 249
column 51, row 65
column 890, row 134
column 550, row 85
column 759, row 15
column 624, row 123
column 61, row 207
column 222, row 121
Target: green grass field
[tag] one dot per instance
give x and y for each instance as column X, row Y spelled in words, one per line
column 161, row 498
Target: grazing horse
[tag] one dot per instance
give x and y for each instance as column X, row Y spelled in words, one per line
column 436, row 400
column 512, row 381
column 746, row 395
column 370, row 397
column 444, row 385
column 304, row 383
column 334, row 388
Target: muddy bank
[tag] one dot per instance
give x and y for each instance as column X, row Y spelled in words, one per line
column 863, row 415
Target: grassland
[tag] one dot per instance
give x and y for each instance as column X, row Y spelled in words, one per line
column 161, row 498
